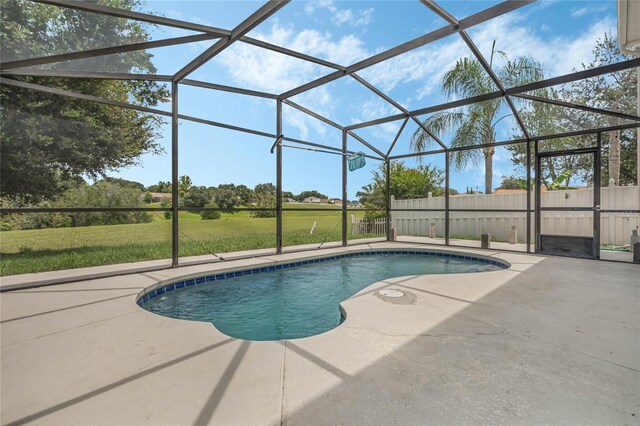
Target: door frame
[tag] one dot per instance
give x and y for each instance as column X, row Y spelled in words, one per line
column 595, row 208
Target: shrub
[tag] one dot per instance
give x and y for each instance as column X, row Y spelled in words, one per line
column 226, row 198
column 102, row 194
column 210, row 214
column 197, row 196
column 265, row 203
column 165, row 203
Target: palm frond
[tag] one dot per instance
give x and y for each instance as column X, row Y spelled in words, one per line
column 475, row 124
column 467, row 78
column 439, row 123
column 470, row 133
column 520, row 71
column 460, row 159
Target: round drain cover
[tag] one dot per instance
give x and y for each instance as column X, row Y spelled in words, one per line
column 391, row 293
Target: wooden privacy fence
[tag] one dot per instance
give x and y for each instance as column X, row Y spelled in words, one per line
column 362, row 226
column 615, row 228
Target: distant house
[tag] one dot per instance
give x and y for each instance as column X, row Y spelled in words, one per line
column 335, row 201
column 312, row 200
column 324, row 200
column 157, row 197
column 290, row 200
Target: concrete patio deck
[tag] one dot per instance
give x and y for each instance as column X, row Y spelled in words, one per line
column 549, row 340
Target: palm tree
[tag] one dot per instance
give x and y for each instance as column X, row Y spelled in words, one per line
column 475, row 124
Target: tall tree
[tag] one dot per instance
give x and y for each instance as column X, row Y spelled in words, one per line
column 49, row 142
column 475, row 124
column 615, row 91
column 265, row 194
column 610, row 91
column 404, row 183
column 184, row 183
column 547, row 119
column 161, row 186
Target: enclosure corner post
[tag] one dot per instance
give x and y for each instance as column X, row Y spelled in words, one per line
column 344, row 188
column 278, row 179
column 596, row 197
column 528, row 196
column 174, row 174
column 537, row 189
column 446, row 197
column 388, row 203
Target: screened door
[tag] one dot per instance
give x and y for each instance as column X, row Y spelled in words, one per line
column 568, row 203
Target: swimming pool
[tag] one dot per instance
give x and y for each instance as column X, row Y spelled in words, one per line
column 296, row 299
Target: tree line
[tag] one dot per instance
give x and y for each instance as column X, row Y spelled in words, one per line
column 117, row 193
column 229, row 194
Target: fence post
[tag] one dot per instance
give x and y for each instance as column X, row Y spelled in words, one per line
column 344, row 188
column 446, row 198
column 596, row 198
column 278, row 179
column 528, row 196
column 174, row 175
column 388, row 203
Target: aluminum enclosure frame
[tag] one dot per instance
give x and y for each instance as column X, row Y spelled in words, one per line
column 11, row 71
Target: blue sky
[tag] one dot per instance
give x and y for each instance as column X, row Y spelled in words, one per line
column 559, row 34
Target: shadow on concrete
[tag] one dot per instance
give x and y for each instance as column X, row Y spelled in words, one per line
column 103, row 389
column 400, row 283
column 558, row 343
column 216, row 396
column 434, row 293
column 68, row 308
column 316, row 360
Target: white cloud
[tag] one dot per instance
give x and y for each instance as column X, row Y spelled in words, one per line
column 276, row 73
column 260, row 69
column 578, row 12
column 318, row 100
column 559, row 54
column 359, row 18
column 375, row 107
column 345, row 51
column 426, row 66
column 421, row 69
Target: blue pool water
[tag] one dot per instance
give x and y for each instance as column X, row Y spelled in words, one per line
column 295, row 302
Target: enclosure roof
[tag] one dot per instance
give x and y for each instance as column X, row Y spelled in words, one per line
column 447, row 25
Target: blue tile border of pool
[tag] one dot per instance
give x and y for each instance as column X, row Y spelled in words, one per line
column 256, row 270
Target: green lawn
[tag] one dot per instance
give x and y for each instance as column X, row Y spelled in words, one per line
column 61, row 248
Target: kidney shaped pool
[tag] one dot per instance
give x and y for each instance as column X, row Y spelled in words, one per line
column 296, row 299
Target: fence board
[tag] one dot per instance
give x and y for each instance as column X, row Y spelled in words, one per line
column 615, row 228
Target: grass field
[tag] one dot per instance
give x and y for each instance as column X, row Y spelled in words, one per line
column 62, row 248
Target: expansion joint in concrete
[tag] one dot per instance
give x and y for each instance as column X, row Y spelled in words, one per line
column 284, row 369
